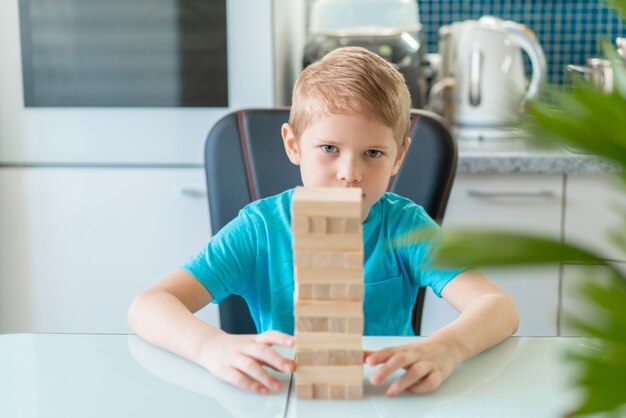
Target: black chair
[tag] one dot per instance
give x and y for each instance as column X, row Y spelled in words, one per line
column 245, row 160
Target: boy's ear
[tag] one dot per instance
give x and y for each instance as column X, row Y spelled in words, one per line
column 291, row 143
column 401, row 155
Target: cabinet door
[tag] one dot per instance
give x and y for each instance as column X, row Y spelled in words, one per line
column 595, row 206
column 78, row 244
column 522, row 203
column 573, row 301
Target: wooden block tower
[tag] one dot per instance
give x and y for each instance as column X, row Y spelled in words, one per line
column 328, row 300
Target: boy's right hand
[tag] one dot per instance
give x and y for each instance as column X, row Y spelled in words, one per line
column 239, row 359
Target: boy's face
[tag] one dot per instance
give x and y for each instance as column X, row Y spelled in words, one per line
column 346, row 150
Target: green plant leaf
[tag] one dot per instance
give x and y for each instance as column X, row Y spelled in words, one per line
column 619, row 5
column 608, row 320
column 588, row 119
column 602, row 369
column 458, row 248
column 585, row 118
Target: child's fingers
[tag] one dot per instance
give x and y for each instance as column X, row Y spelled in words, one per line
column 429, row 383
column 373, row 358
column 414, row 373
column 253, row 369
column 241, row 380
column 265, row 354
column 276, row 338
column 395, row 362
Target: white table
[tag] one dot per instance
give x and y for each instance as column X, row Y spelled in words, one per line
column 522, row 377
column 70, row 375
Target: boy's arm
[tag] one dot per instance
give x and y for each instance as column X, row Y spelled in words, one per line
column 488, row 316
column 163, row 315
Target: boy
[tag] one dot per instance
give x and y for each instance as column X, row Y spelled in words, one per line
column 348, row 127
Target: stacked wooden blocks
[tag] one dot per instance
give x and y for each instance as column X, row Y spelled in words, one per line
column 328, row 305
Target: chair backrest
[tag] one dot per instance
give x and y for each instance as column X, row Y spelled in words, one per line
column 245, row 160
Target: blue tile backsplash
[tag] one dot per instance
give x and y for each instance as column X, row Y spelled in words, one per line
column 568, row 30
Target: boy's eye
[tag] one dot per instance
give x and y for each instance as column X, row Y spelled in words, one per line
column 329, row 148
column 374, row 153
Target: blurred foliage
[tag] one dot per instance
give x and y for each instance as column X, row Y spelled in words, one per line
column 589, row 120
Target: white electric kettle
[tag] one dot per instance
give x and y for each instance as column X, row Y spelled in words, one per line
column 482, row 64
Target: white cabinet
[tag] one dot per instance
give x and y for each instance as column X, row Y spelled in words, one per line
column 522, row 203
column 595, row 206
column 594, row 210
column 77, row 244
column 574, row 303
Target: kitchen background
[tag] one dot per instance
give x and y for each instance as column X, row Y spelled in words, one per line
column 97, row 203
column 568, row 30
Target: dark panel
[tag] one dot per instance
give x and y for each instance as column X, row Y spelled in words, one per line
column 118, row 53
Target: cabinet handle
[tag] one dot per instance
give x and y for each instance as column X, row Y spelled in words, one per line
column 542, row 194
column 193, row 192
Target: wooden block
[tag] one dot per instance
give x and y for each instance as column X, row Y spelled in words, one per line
column 321, row 391
column 327, row 201
column 355, row 325
column 354, row 357
column 336, row 242
column 328, row 276
column 337, row 225
column 356, row 291
column 347, row 226
column 323, row 194
column 321, row 357
column 328, row 259
column 304, row 291
column 300, row 225
column 311, row 324
column 353, row 259
column 328, row 305
column 304, row 357
column 318, row 225
column 330, row 390
column 321, row 291
column 326, row 309
column 346, row 357
column 330, row 374
column 324, row 357
column 339, row 292
column 338, row 357
column 354, row 391
column 304, row 391
column 337, row 391
column 314, row 259
column 353, row 225
column 327, row 340
column 338, row 324
column 329, row 292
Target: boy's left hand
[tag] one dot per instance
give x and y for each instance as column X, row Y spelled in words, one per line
column 426, row 366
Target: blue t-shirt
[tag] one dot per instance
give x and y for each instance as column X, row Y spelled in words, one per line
column 252, row 257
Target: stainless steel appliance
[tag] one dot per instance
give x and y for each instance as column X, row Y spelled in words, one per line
column 389, row 28
column 481, row 84
column 600, row 72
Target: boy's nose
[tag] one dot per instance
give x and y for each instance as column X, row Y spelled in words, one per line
column 349, row 171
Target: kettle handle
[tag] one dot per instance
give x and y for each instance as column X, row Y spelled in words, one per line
column 522, row 36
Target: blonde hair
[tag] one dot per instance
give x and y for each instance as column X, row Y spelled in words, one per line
column 352, row 79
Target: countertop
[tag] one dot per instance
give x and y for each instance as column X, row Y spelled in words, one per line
column 80, row 375
column 523, row 156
